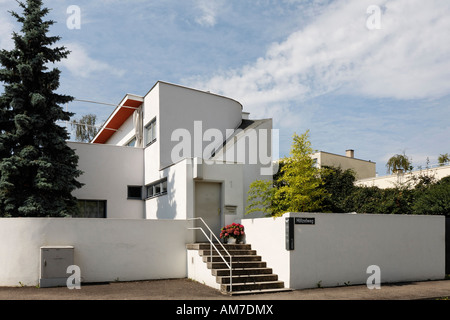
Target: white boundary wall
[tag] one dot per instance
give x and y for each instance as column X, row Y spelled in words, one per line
column 105, row 249
column 338, row 249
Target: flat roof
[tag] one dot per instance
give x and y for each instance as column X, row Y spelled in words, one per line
column 339, row 155
column 128, row 105
column 197, row 90
column 123, row 111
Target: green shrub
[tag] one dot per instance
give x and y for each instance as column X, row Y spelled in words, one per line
column 363, row 200
column 339, row 185
column 376, row 200
column 434, row 200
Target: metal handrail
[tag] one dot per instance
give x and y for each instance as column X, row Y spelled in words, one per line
column 229, row 265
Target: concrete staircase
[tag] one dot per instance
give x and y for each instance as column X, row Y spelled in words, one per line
column 250, row 274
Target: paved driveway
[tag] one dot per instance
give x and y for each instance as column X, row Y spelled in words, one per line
column 185, row 289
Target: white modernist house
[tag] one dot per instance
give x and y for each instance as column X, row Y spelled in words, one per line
column 175, row 153
column 178, row 153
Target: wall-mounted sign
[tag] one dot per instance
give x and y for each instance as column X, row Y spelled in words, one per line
column 230, row 209
column 289, row 233
column 299, row 220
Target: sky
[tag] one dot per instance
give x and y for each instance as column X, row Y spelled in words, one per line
column 368, row 75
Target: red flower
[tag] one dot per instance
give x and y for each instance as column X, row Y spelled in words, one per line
column 232, row 230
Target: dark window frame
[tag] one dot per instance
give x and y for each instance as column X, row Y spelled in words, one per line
column 99, row 202
column 151, row 126
column 134, row 197
column 152, row 188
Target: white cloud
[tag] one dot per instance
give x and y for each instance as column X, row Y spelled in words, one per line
column 406, row 59
column 6, row 30
column 209, row 9
column 80, row 64
column 6, row 24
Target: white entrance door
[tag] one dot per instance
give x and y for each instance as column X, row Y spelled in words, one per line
column 208, row 207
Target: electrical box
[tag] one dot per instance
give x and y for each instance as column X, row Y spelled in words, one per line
column 54, row 263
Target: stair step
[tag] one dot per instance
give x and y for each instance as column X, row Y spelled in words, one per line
column 253, row 286
column 222, row 252
column 247, row 278
column 250, row 275
column 207, row 246
column 237, row 264
column 237, row 258
column 246, row 292
column 247, row 271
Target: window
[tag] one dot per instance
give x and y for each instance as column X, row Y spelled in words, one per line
column 315, row 163
column 156, row 189
column 91, row 209
column 131, row 143
column 150, row 132
column 134, row 192
column 150, row 191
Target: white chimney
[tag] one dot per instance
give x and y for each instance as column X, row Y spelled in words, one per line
column 350, row 153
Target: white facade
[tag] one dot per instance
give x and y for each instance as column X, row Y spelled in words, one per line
column 106, row 175
column 181, row 138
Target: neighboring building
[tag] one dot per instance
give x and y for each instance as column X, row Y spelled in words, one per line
column 402, row 178
column 175, row 153
column 362, row 168
column 366, row 170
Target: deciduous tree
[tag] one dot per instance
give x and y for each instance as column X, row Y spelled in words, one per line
column 296, row 188
column 85, row 129
column 444, row 159
column 399, row 163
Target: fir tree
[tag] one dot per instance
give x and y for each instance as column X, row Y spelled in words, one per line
column 38, row 170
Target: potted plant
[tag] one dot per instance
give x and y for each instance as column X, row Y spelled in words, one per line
column 232, row 233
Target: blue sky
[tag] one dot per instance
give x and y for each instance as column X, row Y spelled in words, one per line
column 307, row 64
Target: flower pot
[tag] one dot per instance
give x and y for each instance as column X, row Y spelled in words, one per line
column 232, row 233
